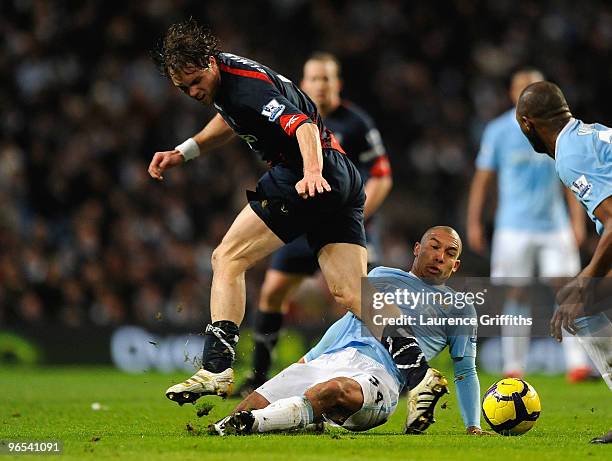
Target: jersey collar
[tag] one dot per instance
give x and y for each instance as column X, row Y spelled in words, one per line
column 567, row 126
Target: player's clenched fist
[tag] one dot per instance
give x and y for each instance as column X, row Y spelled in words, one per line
column 164, row 160
column 310, row 184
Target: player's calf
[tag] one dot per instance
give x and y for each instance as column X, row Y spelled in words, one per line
column 284, row 414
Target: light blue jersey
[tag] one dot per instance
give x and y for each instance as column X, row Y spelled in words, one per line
column 583, row 158
column 529, row 194
column 348, row 332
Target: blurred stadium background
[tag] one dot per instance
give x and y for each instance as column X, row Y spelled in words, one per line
column 94, row 252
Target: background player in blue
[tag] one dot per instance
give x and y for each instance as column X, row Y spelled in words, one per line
column 349, row 379
column 583, row 159
column 533, row 235
column 292, row 263
column 311, row 181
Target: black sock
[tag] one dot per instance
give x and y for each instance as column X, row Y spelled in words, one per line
column 406, row 354
column 220, row 339
column 267, row 326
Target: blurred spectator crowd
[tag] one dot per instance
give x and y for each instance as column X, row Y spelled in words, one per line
column 86, row 237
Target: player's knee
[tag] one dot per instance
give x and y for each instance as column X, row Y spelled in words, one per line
column 329, row 393
column 223, row 258
column 347, row 298
column 335, row 392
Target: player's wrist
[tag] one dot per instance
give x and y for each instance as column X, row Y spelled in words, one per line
column 189, row 149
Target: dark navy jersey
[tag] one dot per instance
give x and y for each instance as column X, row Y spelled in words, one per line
column 359, row 137
column 265, row 109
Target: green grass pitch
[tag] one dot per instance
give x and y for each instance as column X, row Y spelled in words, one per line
column 136, row 422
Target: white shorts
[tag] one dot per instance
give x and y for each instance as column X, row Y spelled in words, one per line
column 516, row 255
column 380, row 390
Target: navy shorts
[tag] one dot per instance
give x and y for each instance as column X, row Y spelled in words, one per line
column 297, row 258
column 331, row 217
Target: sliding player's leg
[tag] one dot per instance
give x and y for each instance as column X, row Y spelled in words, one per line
column 343, row 387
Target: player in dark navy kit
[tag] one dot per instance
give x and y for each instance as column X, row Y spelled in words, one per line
column 295, row 261
column 311, row 188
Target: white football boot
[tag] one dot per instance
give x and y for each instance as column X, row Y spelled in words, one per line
column 204, row 382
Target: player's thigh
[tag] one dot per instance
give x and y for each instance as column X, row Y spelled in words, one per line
column 513, row 257
column 276, row 288
column 292, row 381
column 248, row 239
column 559, row 255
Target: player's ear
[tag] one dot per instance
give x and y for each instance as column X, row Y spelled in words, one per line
column 525, row 123
column 417, row 249
column 456, row 265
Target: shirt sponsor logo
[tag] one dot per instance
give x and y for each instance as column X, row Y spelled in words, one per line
column 273, row 110
column 582, row 187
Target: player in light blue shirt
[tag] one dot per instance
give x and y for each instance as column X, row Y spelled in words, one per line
column 583, row 158
column 533, row 235
column 349, row 377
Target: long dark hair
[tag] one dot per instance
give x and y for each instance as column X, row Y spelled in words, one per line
column 185, row 44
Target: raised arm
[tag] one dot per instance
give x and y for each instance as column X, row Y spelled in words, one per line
column 214, row 134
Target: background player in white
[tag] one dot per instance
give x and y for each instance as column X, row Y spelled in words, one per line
column 533, row 235
column 291, row 264
column 349, row 378
column 583, row 160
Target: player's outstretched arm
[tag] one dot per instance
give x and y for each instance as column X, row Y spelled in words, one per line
column 309, row 141
column 214, row 134
column 468, row 393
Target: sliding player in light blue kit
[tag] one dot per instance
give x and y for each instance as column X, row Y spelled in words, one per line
column 583, row 157
column 349, row 378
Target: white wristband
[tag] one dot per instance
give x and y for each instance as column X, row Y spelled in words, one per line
column 189, row 149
